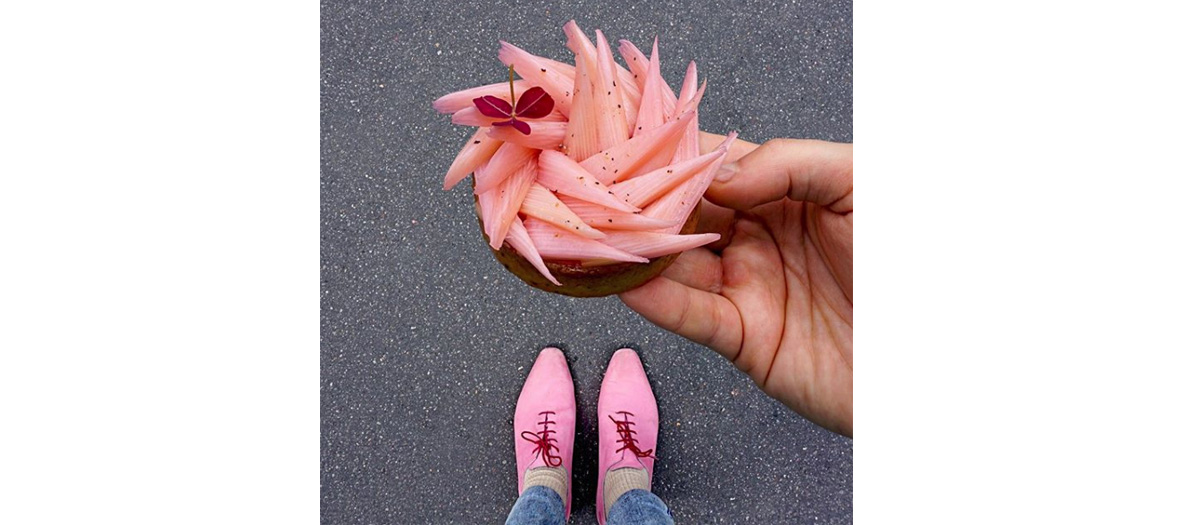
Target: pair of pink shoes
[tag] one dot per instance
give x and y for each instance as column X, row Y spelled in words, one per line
column 545, row 419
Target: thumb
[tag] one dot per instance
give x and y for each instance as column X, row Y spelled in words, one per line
column 801, row 170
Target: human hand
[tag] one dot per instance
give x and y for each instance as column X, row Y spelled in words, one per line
column 774, row 295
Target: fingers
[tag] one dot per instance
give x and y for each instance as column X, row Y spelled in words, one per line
column 754, row 279
column 699, row 316
column 697, row 268
column 801, row 170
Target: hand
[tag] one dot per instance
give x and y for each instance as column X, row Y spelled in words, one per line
column 774, row 295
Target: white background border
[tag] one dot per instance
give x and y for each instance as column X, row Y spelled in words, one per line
column 161, row 247
column 1016, row 262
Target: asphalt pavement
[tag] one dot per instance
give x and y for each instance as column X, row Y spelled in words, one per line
column 426, row 339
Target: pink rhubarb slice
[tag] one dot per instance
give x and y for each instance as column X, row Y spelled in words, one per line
column 540, row 72
column 555, row 244
column 657, row 161
column 652, row 245
column 506, row 161
column 640, row 66
column 643, row 189
column 562, row 175
column 677, row 205
column 690, row 145
column 651, row 105
column 611, row 219
column 544, row 135
column 608, row 98
column 542, row 204
column 579, row 43
column 475, row 153
column 633, row 156
column 519, row 239
column 504, row 200
column 581, row 139
column 453, row 102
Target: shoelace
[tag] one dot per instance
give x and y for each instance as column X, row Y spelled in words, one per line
column 627, row 435
column 546, row 445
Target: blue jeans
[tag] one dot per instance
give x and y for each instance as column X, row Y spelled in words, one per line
column 543, row 506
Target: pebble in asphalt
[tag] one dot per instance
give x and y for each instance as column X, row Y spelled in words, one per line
column 426, row 340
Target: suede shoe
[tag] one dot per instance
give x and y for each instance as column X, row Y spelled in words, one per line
column 628, row 421
column 544, row 422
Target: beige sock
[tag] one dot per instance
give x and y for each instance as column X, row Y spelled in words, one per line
column 552, row 477
column 619, row 481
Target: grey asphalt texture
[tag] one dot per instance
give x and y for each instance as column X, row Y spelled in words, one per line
column 426, row 339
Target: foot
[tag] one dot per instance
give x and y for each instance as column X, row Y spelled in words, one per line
column 544, row 426
column 628, row 423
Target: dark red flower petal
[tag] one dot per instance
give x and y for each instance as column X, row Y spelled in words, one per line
column 494, row 107
column 521, row 126
column 534, row 103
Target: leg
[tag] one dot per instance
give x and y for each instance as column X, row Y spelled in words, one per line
column 639, row 507
column 537, row 505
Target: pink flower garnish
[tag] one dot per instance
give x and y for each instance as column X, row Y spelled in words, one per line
column 534, row 103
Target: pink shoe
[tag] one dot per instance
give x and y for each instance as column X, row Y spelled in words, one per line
column 544, row 423
column 628, row 421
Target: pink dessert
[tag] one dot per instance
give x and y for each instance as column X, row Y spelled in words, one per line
column 589, row 175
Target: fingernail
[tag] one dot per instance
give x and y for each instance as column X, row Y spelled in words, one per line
column 726, row 172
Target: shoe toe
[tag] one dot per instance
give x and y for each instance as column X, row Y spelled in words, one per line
column 625, row 371
column 551, row 363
